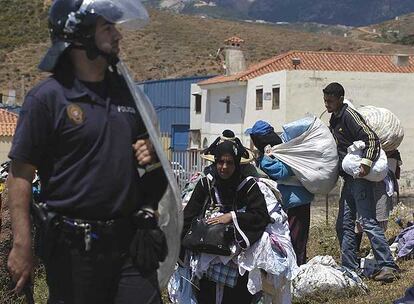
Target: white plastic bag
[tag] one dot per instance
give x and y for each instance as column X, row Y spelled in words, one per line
column 352, row 162
column 322, row 274
column 312, row 156
column 385, row 124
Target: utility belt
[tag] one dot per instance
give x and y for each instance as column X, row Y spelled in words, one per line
column 137, row 235
column 85, row 235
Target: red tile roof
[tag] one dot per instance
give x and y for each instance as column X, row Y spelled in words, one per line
column 319, row 61
column 8, row 121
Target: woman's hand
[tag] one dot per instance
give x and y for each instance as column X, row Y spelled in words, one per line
column 222, row 219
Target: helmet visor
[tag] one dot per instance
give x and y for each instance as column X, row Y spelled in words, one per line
column 130, row 14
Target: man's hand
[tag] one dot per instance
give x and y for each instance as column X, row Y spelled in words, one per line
column 19, row 183
column 364, row 170
column 144, row 152
column 20, row 265
column 222, row 219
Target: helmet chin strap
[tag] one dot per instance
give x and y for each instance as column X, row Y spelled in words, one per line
column 93, row 52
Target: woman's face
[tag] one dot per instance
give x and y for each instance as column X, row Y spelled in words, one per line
column 225, row 166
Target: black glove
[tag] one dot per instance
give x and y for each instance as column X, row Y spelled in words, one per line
column 149, row 245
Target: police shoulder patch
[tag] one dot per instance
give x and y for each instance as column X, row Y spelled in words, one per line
column 75, row 113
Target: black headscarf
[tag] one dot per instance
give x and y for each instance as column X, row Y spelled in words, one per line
column 228, row 143
column 261, row 141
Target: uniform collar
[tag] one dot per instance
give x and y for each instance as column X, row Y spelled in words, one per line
column 76, row 89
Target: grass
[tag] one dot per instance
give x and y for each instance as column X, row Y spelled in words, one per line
column 322, row 241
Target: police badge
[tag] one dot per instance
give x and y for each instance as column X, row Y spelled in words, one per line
column 75, row 114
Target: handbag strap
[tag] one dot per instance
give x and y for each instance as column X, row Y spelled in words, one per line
column 209, row 196
column 243, row 235
column 243, row 182
column 234, row 216
column 217, row 194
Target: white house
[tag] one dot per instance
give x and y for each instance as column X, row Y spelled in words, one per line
column 287, row 87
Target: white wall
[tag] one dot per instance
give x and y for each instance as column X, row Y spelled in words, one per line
column 5, row 145
column 214, row 116
column 196, row 120
column 301, row 93
column 388, row 90
column 275, row 117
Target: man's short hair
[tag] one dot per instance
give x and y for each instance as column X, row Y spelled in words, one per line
column 334, row 89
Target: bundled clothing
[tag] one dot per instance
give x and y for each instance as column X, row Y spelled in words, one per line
column 295, row 200
column 348, row 126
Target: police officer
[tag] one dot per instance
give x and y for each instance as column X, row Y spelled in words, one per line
column 82, row 132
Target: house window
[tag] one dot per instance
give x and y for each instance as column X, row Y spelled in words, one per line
column 259, row 99
column 275, row 98
column 195, row 137
column 205, row 143
column 197, row 103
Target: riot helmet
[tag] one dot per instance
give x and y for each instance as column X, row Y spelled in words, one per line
column 73, row 21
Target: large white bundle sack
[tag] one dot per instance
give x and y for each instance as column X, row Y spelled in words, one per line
column 312, row 156
column 352, row 162
column 385, row 124
column 322, row 274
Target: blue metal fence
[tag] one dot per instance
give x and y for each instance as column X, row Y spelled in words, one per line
column 171, row 100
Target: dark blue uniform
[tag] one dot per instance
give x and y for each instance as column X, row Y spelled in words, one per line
column 81, row 145
column 79, row 136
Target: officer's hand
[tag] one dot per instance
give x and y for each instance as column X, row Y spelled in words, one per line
column 20, row 265
column 144, row 152
column 364, row 170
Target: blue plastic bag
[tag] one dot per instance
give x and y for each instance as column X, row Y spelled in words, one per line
column 296, row 128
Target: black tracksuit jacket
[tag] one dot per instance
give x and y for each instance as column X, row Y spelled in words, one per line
column 348, row 126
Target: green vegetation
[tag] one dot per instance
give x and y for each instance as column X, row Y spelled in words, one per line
column 22, row 22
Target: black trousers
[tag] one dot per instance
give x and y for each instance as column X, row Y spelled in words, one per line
column 299, row 223
column 105, row 275
column 239, row 294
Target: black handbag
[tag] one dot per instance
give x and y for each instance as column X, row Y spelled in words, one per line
column 207, row 238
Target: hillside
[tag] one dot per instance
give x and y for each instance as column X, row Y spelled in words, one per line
column 398, row 30
column 21, row 22
column 350, row 12
column 174, row 45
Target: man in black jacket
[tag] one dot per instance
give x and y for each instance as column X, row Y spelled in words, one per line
column 357, row 195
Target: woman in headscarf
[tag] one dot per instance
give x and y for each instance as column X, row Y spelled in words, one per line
column 239, row 201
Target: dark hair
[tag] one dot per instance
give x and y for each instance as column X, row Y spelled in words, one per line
column 334, row 89
column 261, row 141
